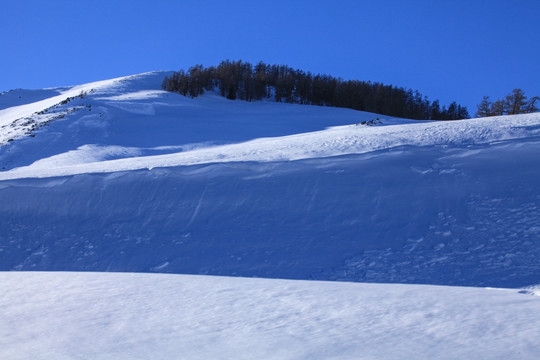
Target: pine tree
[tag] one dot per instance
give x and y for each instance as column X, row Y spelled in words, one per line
column 484, row 108
column 516, row 102
column 498, row 108
column 259, row 81
column 435, row 110
column 531, row 104
column 452, row 111
column 462, row 113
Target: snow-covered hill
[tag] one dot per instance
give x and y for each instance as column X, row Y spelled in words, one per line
column 131, row 178
column 120, row 176
column 156, row 316
column 131, row 114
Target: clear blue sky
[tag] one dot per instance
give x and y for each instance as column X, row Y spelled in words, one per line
column 448, row 50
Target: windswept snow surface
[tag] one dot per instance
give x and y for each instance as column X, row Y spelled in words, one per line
column 131, row 178
column 157, row 316
column 10, row 116
column 352, row 139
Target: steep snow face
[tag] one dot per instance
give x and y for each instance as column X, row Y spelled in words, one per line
column 439, row 215
column 137, row 179
column 143, row 316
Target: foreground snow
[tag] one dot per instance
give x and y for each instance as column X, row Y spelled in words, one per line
column 151, row 316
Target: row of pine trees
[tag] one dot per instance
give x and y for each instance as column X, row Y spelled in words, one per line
column 243, row 81
column 514, row 103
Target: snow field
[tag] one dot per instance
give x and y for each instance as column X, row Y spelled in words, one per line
column 129, row 178
column 141, row 316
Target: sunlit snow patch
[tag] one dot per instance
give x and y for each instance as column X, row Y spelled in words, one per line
column 137, row 95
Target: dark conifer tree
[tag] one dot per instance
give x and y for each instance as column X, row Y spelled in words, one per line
column 484, row 108
column 515, row 102
column 531, row 104
column 435, row 111
column 498, row 108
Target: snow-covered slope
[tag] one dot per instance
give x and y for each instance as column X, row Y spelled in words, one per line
column 344, row 140
column 131, row 121
column 156, row 316
column 133, row 113
column 120, row 176
column 130, row 178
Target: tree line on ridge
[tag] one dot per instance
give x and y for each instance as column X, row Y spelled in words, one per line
column 243, row 81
